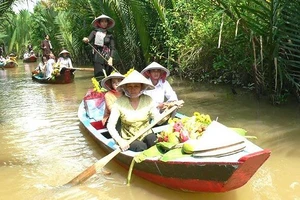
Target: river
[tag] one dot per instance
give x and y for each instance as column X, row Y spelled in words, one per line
column 43, row 145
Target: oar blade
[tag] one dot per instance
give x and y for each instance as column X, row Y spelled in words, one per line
column 83, row 176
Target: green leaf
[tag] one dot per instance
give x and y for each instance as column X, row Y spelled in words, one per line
column 240, row 131
column 173, row 155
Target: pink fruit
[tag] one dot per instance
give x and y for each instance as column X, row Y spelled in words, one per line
column 177, row 126
column 183, row 136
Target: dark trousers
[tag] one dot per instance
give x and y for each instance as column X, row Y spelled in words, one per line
column 147, row 142
column 98, row 70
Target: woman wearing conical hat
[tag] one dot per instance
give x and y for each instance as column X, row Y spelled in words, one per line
column 110, row 83
column 64, row 60
column 135, row 110
column 163, row 91
column 104, row 44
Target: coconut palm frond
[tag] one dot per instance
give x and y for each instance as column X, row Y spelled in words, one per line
column 289, row 42
column 4, row 5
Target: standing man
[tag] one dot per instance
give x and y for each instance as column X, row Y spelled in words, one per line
column 29, row 47
column 46, row 46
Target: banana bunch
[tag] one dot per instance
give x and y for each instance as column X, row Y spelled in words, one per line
column 181, row 130
column 55, row 71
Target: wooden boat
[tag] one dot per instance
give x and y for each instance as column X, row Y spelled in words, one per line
column 31, row 58
column 191, row 173
column 11, row 62
column 65, row 76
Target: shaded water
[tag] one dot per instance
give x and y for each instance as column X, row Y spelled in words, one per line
column 43, row 145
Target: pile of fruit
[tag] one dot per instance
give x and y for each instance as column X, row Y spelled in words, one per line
column 55, row 71
column 181, row 130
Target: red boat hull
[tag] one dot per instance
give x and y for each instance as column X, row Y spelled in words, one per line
column 64, row 78
column 32, row 58
column 197, row 177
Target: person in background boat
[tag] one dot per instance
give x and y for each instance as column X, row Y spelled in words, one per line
column 29, row 47
column 49, row 66
column 32, row 53
column 103, row 43
column 110, row 83
column 64, row 60
column 135, row 111
column 26, row 55
column 46, row 46
column 2, row 61
column 12, row 57
column 40, row 69
column 163, row 91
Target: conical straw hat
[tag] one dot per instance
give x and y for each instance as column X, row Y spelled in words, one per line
column 155, row 65
column 105, row 83
column 111, row 22
column 136, row 77
column 63, row 51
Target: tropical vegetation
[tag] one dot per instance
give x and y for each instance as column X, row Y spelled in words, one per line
column 251, row 44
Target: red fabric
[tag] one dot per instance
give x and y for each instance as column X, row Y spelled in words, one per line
column 97, row 125
column 98, row 24
column 163, row 75
column 91, row 94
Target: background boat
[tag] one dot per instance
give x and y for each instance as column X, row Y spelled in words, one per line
column 31, row 58
column 65, row 76
column 11, row 62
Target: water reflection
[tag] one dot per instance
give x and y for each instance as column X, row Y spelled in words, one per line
column 43, row 145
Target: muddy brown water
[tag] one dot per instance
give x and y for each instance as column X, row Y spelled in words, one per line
column 43, row 145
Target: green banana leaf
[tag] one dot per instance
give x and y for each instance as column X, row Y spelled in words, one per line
column 243, row 132
column 164, row 150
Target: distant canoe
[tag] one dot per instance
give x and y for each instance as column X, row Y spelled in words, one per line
column 29, row 59
column 66, row 76
column 10, row 63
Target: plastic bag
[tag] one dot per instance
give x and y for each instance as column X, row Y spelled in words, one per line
column 94, row 104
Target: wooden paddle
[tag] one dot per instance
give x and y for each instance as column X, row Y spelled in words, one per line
column 102, row 56
column 103, row 161
column 84, row 69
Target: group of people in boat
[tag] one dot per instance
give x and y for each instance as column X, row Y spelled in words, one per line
column 132, row 101
column 28, row 54
column 49, row 63
column 9, row 58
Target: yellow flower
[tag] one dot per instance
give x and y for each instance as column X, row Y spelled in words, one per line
column 97, row 86
column 129, row 72
column 196, row 114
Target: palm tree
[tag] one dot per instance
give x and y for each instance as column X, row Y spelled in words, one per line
column 273, row 27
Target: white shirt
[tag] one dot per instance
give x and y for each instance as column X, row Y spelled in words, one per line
column 26, row 55
column 65, row 62
column 49, row 68
column 99, row 38
column 162, row 91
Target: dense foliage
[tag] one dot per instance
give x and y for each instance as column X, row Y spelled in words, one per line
column 252, row 44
